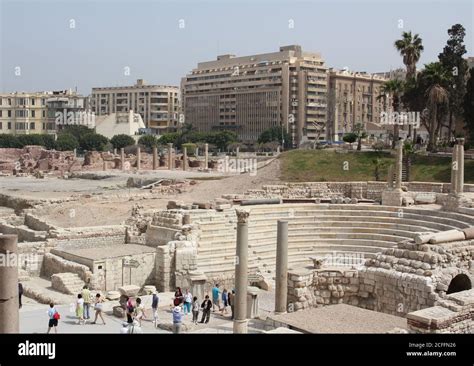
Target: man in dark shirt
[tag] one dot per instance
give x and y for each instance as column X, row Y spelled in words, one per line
column 206, row 309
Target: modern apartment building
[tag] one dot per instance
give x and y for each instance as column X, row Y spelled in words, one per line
column 250, row 94
column 35, row 112
column 352, row 100
column 157, row 104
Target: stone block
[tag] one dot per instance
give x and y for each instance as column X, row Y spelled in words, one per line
column 129, row 290
column 113, row 295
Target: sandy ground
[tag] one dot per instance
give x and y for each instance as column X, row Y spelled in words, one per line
column 87, row 212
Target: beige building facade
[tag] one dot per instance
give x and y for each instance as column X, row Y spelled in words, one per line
column 250, row 94
column 353, row 99
column 36, row 112
column 157, row 104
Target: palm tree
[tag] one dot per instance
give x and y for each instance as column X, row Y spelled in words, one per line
column 410, row 48
column 393, row 88
column 437, row 96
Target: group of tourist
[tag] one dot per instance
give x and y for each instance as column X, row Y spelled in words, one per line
column 83, row 305
column 184, row 304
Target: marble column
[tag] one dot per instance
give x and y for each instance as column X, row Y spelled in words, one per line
column 185, row 157
column 139, row 158
column 206, row 156
column 390, row 177
column 281, row 283
column 399, row 165
column 170, row 156
column 454, row 169
column 122, row 158
column 241, row 272
column 155, row 158
column 460, row 174
column 9, row 303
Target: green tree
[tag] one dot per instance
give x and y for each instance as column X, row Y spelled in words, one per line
column 277, row 133
column 393, row 88
column 350, row 138
column 360, row 132
column 93, row 141
column 169, row 138
column 410, row 48
column 468, row 106
column 66, row 142
column 436, row 78
column 221, row 138
column 122, row 140
column 9, row 141
column 149, row 141
column 77, row 131
column 452, row 59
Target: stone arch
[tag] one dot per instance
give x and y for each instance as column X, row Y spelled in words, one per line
column 461, row 282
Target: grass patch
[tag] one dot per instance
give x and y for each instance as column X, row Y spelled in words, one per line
column 331, row 166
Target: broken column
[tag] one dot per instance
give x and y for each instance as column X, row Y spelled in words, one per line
column 155, row 158
column 206, row 156
column 139, row 157
column 390, row 177
column 9, row 302
column 185, row 157
column 170, row 156
column 281, row 283
column 122, row 158
column 393, row 196
column 241, row 272
column 460, row 172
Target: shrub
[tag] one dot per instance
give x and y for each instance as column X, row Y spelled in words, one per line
column 93, row 141
column 7, row 140
column 149, row 141
column 122, row 140
column 191, row 148
column 66, row 142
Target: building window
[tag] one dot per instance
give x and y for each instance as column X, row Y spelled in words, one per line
column 32, row 125
column 1, row 126
column 32, row 101
column 9, row 125
column 9, row 113
column 44, row 114
column 33, row 114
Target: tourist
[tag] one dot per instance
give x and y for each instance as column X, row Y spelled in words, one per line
column 177, row 319
column 188, row 299
column 178, row 297
column 130, row 310
column 224, row 302
column 215, row 296
column 139, row 311
column 98, row 306
column 231, row 300
column 53, row 318
column 195, row 309
column 86, row 295
column 206, row 310
column 154, row 306
column 80, row 309
column 20, row 293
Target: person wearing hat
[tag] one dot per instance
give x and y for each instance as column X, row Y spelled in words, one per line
column 177, row 319
column 154, row 307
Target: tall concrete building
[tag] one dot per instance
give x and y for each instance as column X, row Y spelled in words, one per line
column 157, row 104
column 352, row 100
column 35, row 112
column 250, row 94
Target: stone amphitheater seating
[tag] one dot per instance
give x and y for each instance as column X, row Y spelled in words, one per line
column 314, row 230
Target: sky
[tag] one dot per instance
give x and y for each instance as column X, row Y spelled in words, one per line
column 55, row 45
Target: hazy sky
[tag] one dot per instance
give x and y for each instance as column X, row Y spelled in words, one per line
column 146, row 37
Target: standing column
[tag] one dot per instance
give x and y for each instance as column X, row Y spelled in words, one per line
column 460, row 175
column 122, row 158
column 281, row 284
column 399, row 165
column 206, row 156
column 9, row 303
column 115, row 151
column 454, row 170
column 185, row 157
column 390, row 177
column 139, row 158
column 155, row 158
column 237, row 151
column 241, row 272
column 170, row 156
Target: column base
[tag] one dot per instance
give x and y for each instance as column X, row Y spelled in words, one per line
column 392, row 197
column 240, row 326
